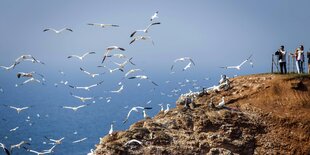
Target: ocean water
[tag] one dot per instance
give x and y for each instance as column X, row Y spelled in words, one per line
column 48, row 118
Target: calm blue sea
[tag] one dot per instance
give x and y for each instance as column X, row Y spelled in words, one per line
column 46, row 117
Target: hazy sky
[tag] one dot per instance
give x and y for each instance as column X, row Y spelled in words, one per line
column 215, row 33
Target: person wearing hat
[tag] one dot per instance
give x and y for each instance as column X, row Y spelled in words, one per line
column 282, row 59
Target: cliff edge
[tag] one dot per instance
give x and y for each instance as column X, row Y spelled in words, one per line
column 264, row 114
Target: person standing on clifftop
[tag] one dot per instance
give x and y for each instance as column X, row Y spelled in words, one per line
column 301, row 58
column 282, row 59
column 308, row 56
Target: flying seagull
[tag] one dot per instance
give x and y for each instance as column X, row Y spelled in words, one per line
column 136, row 110
column 83, row 99
column 122, row 65
column 239, row 66
column 9, row 67
column 87, row 87
column 29, row 74
column 112, row 70
column 30, row 80
column 154, row 16
column 144, row 30
column 118, row 55
column 80, row 140
column 109, row 49
column 142, row 38
column 14, row 129
column 142, row 77
column 103, row 25
column 7, row 152
column 132, row 71
column 18, row 110
column 26, row 57
column 35, row 61
column 55, row 141
column 18, row 145
column 133, row 141
column 81, row 57
column 119, row 90
column 90, row 74
column 187, row 66
column 75, row 108
column 183, row 59
column 58, row 31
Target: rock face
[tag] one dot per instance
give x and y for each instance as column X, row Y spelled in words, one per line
column 264, row 114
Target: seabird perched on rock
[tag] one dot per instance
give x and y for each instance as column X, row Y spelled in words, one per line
column 222, row 103
column 167, row 109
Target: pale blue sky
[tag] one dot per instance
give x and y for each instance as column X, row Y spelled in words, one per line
column 215, row 33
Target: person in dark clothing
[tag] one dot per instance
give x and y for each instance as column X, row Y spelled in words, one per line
column 282, row 59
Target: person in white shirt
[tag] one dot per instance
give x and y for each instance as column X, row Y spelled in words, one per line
column 282, row 59
column 299, row 54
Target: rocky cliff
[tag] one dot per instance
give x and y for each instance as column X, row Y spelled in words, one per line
column 264, row 114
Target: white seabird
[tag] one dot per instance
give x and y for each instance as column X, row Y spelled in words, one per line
column 122, row 65
column 142, row 77
column 81, row 57
column 132, row 71
column 9, row 67
column 103, row 25
column 112, row 70
column 142, row 38
column 18, row 110
column 57, row 31
column 55, row 141
column 144, row 30
column 222, row 103
column 80, row 140
column 136, row 110
column 133, row 141
column 7, row 152
column 83, row 99
column 183, row 59
column 167, row 109
column 90, row 74
column 86, row 87
column 119, row 90
column 109, row 49
column 76, row 107
column 154, row 16
column 239, row 66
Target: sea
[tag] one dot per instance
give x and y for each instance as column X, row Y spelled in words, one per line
column 46, row 117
